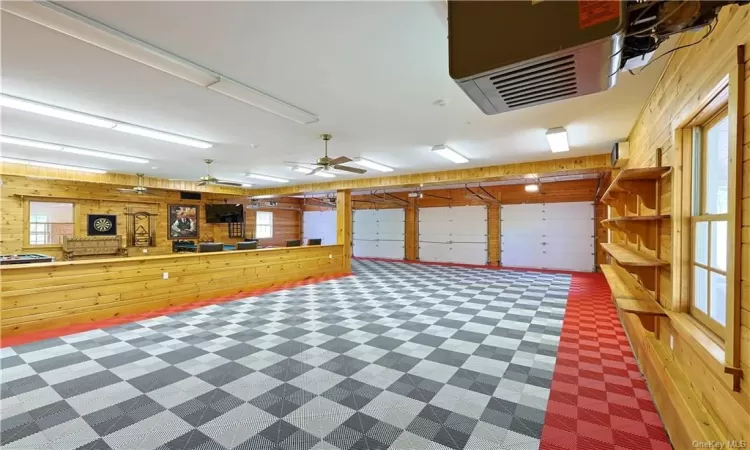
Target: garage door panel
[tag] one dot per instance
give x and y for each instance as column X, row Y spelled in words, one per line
column 453, row 235
column 554, row 236
column 319, row 225
column 379, row 233
column 468, row 253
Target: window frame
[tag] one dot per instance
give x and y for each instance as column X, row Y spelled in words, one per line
column 269, row 225
column 698, row 215
column 47, row 226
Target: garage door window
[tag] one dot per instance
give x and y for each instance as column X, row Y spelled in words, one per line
column 49, row 222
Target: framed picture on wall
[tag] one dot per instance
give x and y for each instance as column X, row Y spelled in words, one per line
column 182, row 222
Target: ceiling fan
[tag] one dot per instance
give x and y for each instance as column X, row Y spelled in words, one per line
column 327, row 164
column 208, row 179
column 139, row 189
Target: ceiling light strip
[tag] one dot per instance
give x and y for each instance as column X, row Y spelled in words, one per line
column 74, row 150
column 371, row 165
column 449, row 154
column 266, row 177
column 73, row 116
column 50, row 165
column 80, row 27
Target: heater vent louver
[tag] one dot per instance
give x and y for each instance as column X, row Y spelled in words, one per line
column 542, row 82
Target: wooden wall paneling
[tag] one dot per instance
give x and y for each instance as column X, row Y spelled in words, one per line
column 46, row 296
column 102, row 198
column 695, row 399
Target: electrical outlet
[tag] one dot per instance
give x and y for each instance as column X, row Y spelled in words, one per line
column 165, row 275
column 145, row 250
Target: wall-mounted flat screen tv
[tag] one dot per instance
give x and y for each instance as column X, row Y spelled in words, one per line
column 223, row 213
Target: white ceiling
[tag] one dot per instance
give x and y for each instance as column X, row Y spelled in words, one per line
column 370, row 70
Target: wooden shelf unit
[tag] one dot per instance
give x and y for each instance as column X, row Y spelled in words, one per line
column 631, row 183
column 634, row 279
column 631, row 297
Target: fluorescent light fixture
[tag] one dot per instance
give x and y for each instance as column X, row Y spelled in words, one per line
column 324, row 174
column 50, row 165
column 308, row 171
column 74, row 150
column 51, row 111
column 104, row 155
column 247, row 185
column 253, row 97
column 372, row 165
column 160, row 135
column 449, row 154
column 29, row 143
column 263, row 196
column 258, row 176
column 301, row 169
column 531, row 188
column 558, row 140
column 68, row 22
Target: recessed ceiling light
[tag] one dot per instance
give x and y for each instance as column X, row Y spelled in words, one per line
column 449, row 154
column 372, row 165
column 73, row 116
column 266, row 177
column 50, row 165
column 558, row 140
column 531, row 188
column 254, row 145
column 74, row 150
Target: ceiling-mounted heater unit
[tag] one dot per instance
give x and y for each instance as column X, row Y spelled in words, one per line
column 508, row 55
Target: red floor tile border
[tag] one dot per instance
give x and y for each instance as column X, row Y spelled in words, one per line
column 598, row 399
column 472, row 266
column 81, row 327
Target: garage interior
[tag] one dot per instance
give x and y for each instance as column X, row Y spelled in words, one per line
column 362, row 225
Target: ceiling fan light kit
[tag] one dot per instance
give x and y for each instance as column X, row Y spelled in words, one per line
column 322, row 166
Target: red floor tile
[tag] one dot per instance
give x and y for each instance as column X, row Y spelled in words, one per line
column 599, row 399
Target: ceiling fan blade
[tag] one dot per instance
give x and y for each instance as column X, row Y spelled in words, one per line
column 349, row 169
column 315, row 170
column 202, row 183
column 228, row 183
column 339, row 160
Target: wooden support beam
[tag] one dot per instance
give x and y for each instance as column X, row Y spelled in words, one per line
column 344, row 226
column 411, row 232
column 565, row 166
column 493, row 234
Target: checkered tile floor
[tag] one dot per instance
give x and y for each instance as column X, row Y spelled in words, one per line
column 399, row 356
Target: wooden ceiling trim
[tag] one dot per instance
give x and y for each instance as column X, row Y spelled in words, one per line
column 566, row 166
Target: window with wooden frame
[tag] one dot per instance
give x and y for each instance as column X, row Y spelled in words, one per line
column 709, row 220
column 263, row 224
column 49, row 221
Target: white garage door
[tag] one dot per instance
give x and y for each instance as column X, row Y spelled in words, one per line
column 379, row 233
column 319, row 225
column 548, row 236
column 453, row 234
